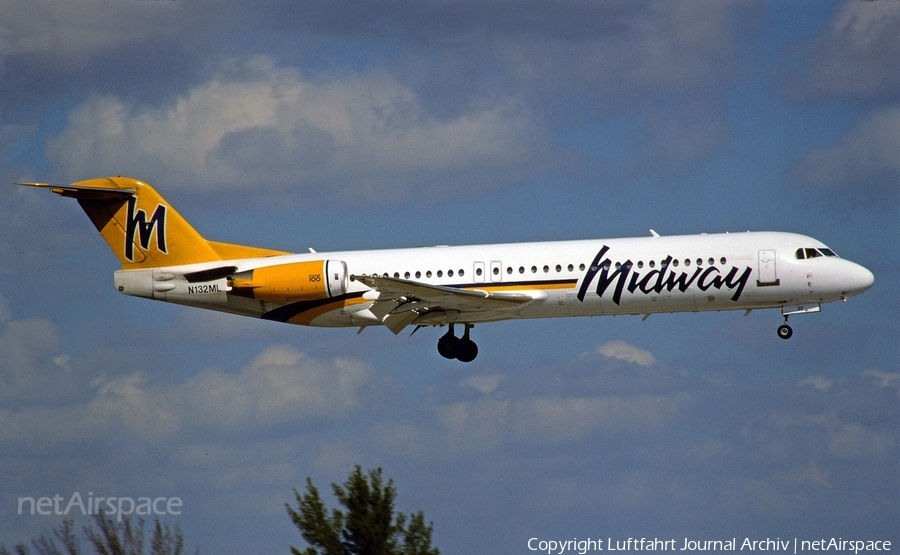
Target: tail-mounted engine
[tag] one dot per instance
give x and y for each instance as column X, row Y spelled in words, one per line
column 298, row 281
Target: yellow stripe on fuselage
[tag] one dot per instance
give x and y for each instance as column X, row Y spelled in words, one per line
column 525, row 287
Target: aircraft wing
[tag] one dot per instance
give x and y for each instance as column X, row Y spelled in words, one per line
column 399, row 301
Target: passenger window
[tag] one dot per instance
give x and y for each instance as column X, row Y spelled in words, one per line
column 699, row 262
column 581, row 266
column 478, row 272
column 675, row 263
column 687, row 261
column 521, row 269
column 509, row 270
column 462, row 273
column 571, row 268
column 558, row 268
column 418, row 275
column 652, row 264
column 428, row 274
column 722, row 260
column 406, row 275
column 440, row 273
column 712, row 261
column 534, row 269
column 640, row 264
column 396, row 274
column 546, row 268
column 496, row 271
column 449, row 273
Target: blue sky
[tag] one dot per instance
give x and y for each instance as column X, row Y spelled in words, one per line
column 296, row 125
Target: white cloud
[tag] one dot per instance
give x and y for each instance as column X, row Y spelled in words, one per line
column 820, row 383
column 472, row 426
column 78, row 27
column 257, row 127
column 5, row 312
column 406, row 439
column 864, row 25
column 31, row 367
column 854, row 441
column 854, row 55
column 811, row 474
column 568, row 419
column 484, row 383
column 280, row 385
column 488, row 424
column 335, row 454
column 868, row 152
column 621, row 350
column 884, row 379
column 25, row 342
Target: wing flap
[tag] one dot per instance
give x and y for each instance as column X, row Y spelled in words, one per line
column 399, row 301
column 382, row 309
column 402, row 290
column 396, row 322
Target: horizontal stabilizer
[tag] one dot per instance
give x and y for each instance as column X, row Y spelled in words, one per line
column 89, row 192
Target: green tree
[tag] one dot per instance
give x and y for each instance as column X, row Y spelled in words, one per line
column 106, row 537
column 366, row 526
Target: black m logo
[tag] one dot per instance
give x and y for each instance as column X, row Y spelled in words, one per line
column 138, row 223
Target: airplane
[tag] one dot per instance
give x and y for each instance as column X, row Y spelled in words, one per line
column 163, row 258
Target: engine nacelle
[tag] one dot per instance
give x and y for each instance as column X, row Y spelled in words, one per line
column 298, row 281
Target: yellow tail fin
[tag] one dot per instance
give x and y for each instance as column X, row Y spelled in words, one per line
column 141, row 228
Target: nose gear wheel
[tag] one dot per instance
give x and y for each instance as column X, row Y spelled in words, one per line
column 784, row 330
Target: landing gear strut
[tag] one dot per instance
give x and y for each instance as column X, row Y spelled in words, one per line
column 462, row 348
column 784, row 330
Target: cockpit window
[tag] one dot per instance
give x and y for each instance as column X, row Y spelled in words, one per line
column 805, row 253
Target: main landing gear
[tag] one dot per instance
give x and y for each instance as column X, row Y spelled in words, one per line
column 462, row 348
column 784, row 330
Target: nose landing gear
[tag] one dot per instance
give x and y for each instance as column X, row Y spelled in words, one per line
column 462, row 348
column 784, row 330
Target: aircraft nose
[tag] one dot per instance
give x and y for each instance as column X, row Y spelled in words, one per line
column 857, row 279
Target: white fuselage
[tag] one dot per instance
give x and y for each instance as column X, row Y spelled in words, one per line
column 645, row 275
column 164, row 258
